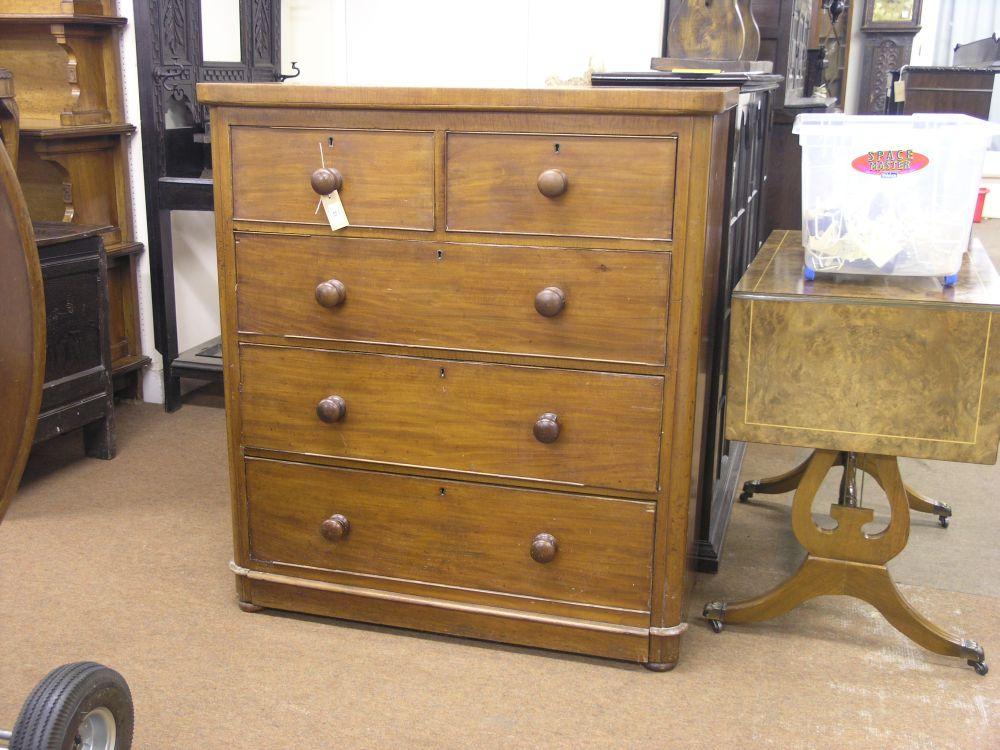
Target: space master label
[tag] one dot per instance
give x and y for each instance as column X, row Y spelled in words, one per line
column 890, row 163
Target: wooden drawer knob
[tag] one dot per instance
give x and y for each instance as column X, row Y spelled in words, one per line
column 331, row 409
column 550, row 301
column 331, row 293
column 547, row 428
column 552, row 183
column 325, row 180
column 543, row 548
column 336, row 527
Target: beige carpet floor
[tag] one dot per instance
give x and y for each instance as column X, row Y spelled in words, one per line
column 125, row 562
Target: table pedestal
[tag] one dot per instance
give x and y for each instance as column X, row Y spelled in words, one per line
column 790, row 480
column 846, row 560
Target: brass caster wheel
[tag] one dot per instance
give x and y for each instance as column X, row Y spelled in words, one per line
column 980, row 667
column 716, row 625
column 943, row 520
column 747, row 492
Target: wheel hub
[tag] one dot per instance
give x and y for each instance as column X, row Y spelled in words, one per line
column 96, row 732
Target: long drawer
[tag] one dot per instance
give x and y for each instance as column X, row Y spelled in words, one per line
column 585, row 428
column 573, row 548
column 586, row 304
column 570, row 185
column 388, row 175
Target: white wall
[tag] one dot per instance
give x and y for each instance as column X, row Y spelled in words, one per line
column 405, row 43
column 152, row 383
column 462, row 43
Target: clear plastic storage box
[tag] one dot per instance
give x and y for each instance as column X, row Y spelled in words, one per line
column 889, row 195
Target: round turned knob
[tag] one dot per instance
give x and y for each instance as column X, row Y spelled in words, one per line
column 543, row 548
column 550, row 301
column 335, row 527
column 331, row 293
column 331, row 409
column 324, row 181
column 552, row 183
column 547, row 428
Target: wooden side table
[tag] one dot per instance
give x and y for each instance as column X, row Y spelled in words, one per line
column 862, row 369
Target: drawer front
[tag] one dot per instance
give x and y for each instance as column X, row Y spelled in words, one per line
column 464, row 416
column 611, row 186
column 588, row 304
column 388, row 175
column 452, row 533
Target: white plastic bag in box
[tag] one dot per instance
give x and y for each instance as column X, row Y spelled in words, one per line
column 889, row 195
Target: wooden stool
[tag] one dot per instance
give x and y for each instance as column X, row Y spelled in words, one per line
column 846, row 560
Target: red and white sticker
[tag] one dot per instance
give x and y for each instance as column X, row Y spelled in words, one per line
column 890, row 163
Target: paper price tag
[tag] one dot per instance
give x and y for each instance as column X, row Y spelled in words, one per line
column 335, row 213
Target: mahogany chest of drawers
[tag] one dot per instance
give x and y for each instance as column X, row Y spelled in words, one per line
column 477, row 409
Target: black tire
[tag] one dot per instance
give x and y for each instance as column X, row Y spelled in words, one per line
column 52, row 714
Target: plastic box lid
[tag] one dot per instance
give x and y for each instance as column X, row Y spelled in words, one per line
column 814, row 126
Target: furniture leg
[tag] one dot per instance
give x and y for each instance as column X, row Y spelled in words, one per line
column 924, row 504
column 874, row 585
column 809, row 581
column 847, row 560
column 775, row 485
column 99, row 437
column 916, row 501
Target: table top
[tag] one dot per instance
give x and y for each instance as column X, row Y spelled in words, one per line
column 776, row 273
column 889, row 365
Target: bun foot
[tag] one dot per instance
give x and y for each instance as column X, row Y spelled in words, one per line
column 659, row 666
column 248, row 607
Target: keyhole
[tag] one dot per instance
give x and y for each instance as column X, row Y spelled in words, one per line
column 330, row 141
column 442, row 492
column 440, row 254
column 442, row 372
column 556, row 148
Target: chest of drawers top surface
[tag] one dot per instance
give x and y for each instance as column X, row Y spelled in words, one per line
column 469, row 410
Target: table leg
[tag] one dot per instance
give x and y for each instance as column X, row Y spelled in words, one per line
column 916, row 501
column 775, row 485
column 847, row 561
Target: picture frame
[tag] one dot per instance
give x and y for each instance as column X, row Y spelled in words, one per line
column 891, row 15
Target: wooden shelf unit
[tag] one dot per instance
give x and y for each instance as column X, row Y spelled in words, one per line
column 73, row 163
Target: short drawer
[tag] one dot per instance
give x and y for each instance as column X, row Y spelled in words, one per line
column 571, row 185
column 388, row 175
column 586, row 304
column 585, row 428
column 542, row 544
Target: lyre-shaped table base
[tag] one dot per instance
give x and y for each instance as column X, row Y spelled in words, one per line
column 790, row 480
column 845, row 560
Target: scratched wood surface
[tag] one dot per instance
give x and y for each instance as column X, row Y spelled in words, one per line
column 453, row 533
column 444, row 364
column 468, row 416
column 460, row 296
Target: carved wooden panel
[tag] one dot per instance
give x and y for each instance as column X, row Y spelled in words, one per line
column 882, row 54
column 178, row 63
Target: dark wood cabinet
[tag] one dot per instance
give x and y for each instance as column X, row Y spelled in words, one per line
column 958, row 90
column 177, row 160
column 742, row 235
column 78, row 387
